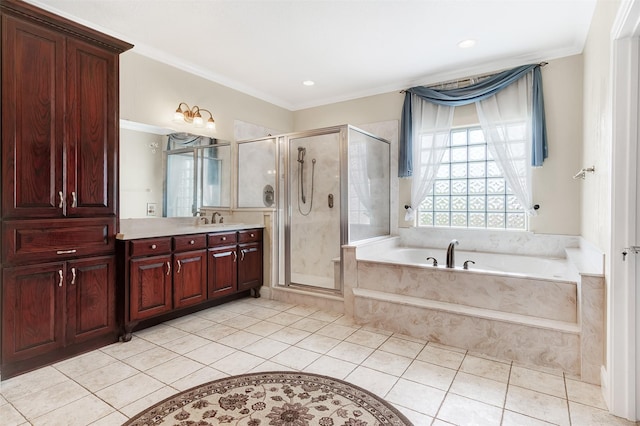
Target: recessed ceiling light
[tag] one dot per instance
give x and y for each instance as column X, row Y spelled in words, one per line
column 308, row 82
column 465, row 44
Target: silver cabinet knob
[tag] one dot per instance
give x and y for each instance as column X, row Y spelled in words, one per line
column 153, row 246
column 192, row 242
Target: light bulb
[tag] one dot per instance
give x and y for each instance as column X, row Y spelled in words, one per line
column 178, row 117
column 211, row 125
column 198, row 121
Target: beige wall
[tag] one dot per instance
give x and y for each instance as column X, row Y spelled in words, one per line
column 150, row 92
column 596, row 200
column 554, row 189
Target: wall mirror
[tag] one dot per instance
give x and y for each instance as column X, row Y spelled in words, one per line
column 257, row 173
column 163, row 173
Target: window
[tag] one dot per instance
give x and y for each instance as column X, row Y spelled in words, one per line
column 469, row 190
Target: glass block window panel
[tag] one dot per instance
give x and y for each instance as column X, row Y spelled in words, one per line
column 470, row 190
column 495, row 186
column 459, row 154
column 477, row 186
column 442, row 187
column 477, row 170
column 459, row 219
column 459, row 170
column 459, row 203
column 459, row 186
column 477, row 153
column 442, row 219
column 495, row 220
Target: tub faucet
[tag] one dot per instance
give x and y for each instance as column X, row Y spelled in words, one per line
column 451, row 263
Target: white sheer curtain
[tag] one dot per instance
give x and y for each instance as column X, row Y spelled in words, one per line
column 506, row 122
column 431, row 131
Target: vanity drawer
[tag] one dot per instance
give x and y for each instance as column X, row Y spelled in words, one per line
column 222, row 238
column 149, row 246
column 250, row 235
column 190, row 242
column 45, row 240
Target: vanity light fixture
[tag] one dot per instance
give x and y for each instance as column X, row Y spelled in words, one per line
column 193, row 116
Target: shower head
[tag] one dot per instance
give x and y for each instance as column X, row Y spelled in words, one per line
column 301, row 153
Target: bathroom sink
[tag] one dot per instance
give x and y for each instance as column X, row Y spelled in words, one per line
column 218, row 225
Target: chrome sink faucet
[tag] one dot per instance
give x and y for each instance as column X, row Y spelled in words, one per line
column 451, row 263
column 213, row 217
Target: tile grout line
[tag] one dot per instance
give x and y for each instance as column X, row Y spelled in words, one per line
column 506, row 393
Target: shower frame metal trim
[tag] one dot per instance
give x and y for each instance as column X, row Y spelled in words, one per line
column 343, row 184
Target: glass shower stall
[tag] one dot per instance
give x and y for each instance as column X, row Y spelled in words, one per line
column 333, row 189
column 330, row 187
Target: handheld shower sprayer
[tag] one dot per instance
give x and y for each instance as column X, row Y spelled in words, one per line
column 301, row 153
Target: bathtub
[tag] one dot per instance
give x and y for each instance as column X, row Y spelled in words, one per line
column 508, row 264
column 535, row 310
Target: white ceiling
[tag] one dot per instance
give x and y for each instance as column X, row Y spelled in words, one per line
column 350, row 48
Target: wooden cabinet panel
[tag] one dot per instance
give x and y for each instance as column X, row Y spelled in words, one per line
column 90, row 298
column 150, row 286
column 32, row 311
column 222, row 271
column 32, row 120
column 90, row 144
column 190, row 242
column 250, row 266
column 189, row 278
column 29, row 241
column 222, row 238
column 250, row 236
column 150, row 246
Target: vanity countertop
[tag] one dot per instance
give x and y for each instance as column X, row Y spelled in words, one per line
column 132, row 229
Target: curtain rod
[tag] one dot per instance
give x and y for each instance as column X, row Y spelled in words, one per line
column 468, row 79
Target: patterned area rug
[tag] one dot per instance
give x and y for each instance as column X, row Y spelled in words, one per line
column 273, row 398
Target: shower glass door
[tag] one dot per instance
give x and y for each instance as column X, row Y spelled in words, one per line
column 313, row 231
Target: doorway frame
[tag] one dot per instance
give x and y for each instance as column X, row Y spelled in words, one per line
column 621, row 375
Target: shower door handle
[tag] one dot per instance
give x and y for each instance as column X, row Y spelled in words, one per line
column 330, row 201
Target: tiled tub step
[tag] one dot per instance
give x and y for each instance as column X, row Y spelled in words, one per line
column 530, row 340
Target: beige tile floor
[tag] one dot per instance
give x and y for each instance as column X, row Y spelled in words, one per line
column 430, row 383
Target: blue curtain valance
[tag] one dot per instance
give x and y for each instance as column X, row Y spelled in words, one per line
column 471, row 94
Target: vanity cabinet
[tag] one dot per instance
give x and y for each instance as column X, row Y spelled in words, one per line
column 222, row 264
column 59, row 122
column 150, row 281
column 50, row 307
column 59, row 153
column 165, row 277
column 250, row 262
column 190, row 270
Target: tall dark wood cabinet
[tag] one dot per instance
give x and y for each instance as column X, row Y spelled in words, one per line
column 59, row 212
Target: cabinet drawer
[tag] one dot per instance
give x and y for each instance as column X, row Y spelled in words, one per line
column 57, row 239
column 222, row 238
column 150, row 246
column 190, row 242
column 250, row 235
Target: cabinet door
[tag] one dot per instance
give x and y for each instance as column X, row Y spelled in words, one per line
column 91, row 303
column 150, row 286
column 90, row 145
column 32, row 311
column 222, row 265
column 189, row 278
column 32, row 120
column 250, row 266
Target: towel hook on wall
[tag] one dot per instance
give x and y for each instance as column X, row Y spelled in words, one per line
column 583, row 172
